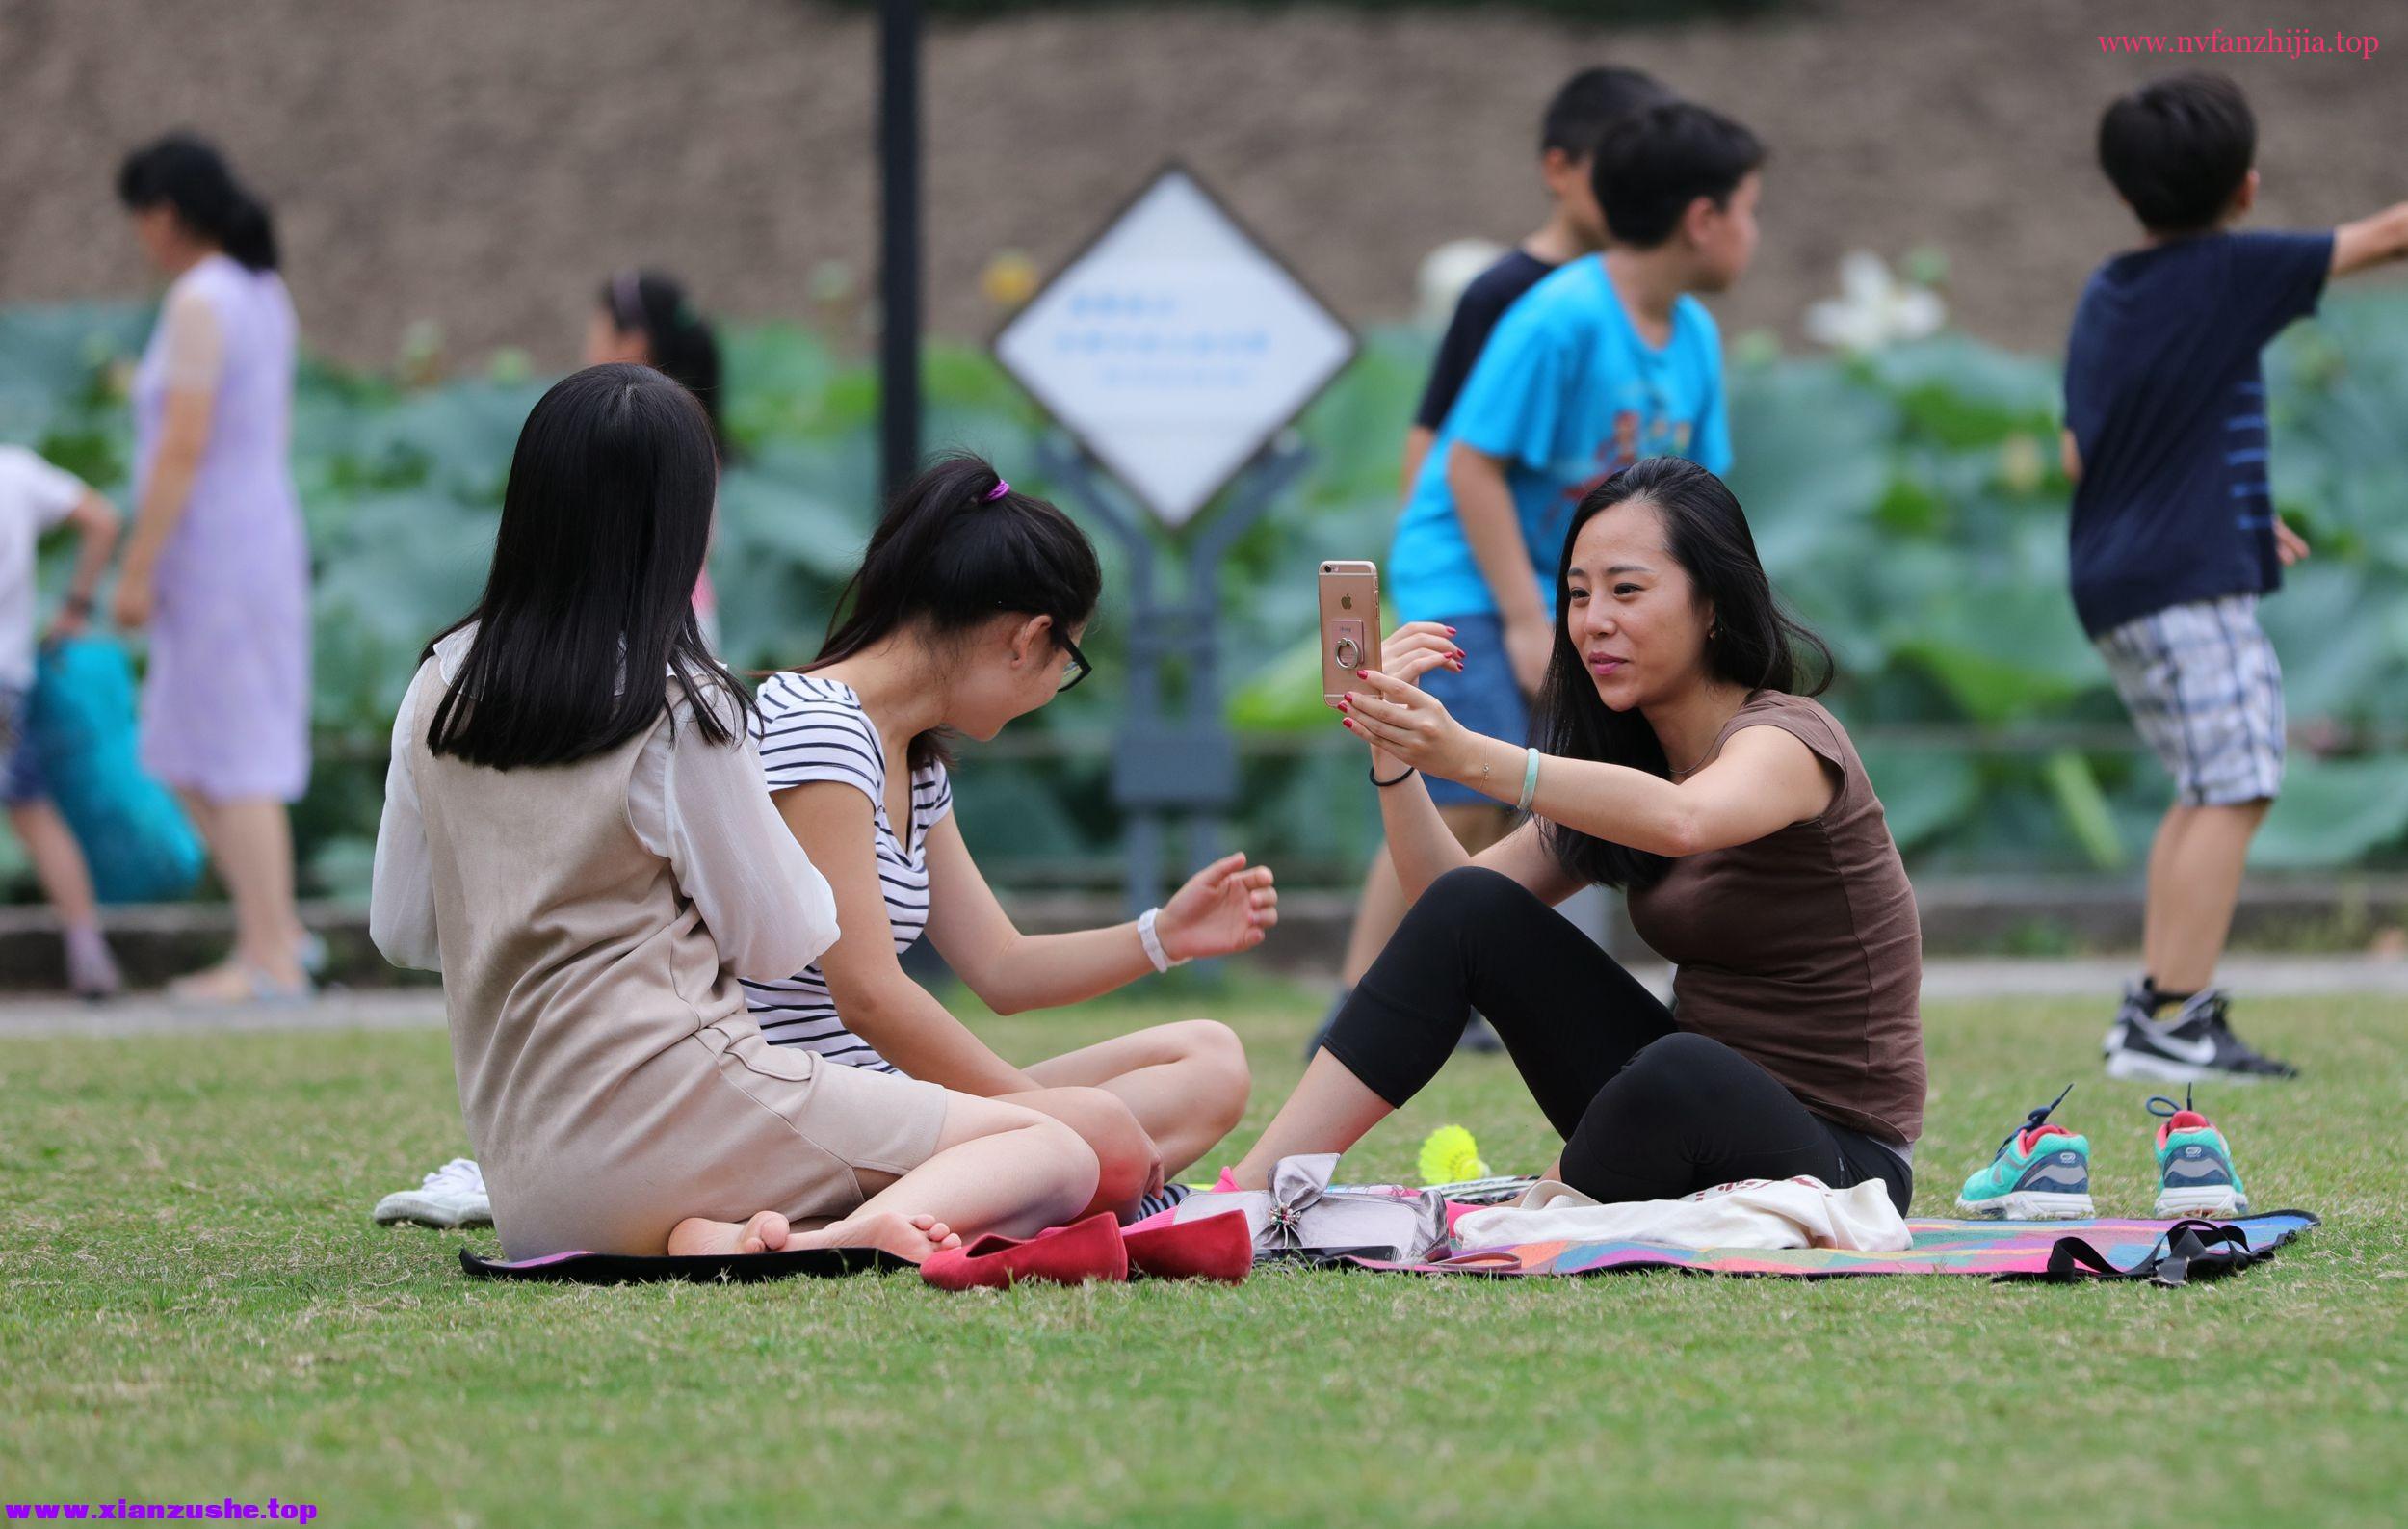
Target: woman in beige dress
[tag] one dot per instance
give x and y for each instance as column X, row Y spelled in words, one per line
column 576, row 835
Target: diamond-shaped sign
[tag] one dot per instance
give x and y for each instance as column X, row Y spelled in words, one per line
column 1174, row 346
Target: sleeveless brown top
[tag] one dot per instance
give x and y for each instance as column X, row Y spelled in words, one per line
column 1802, row 950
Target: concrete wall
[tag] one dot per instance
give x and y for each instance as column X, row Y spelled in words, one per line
column 483, row 163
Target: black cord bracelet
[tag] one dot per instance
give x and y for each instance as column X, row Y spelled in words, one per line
column 1371, row 774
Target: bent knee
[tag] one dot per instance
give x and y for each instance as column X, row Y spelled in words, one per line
column 1213, row 1060
column 1669, row 1072
column 1075, row 1169
column 1472, row 895
column 1123, row 1151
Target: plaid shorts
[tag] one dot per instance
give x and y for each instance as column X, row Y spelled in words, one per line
column 2204, row 687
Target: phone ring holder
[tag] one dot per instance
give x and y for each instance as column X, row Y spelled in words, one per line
column 1348, row 653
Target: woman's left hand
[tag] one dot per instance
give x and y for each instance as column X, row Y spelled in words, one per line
column 1405, row 721
column 1225, row 908
column 131, row 610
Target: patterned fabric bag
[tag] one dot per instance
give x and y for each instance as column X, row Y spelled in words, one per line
column 1300, row 1216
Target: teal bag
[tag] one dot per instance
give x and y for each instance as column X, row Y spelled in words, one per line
column 79, row 722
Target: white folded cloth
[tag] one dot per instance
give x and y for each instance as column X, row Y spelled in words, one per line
column 1752, row 1213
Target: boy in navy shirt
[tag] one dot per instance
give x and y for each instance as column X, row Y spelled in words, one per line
column 2174, row 531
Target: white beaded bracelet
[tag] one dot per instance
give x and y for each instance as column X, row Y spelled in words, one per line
column 1153, row 942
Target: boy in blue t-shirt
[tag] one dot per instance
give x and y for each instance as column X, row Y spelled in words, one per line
column 1589, row 102
column 1607, row 360
column 2174, row 534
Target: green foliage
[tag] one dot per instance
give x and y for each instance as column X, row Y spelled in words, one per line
column 1910, row 506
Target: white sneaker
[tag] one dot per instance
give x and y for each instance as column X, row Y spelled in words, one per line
column 451, row 1195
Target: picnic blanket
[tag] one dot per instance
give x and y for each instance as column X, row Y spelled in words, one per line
column 2164, row 1251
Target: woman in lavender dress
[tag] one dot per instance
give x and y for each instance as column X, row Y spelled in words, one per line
column 218, row 567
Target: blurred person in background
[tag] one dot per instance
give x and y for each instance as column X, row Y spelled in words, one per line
column 35, row 496
column 644, row 318
column 217, row 567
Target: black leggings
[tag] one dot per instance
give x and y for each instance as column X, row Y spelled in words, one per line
column 1647, row 1111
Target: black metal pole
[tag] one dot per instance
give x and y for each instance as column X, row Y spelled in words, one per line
column 898, row 253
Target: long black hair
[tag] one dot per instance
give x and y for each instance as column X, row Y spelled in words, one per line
column 604, row 527
column 187, row 172
column 1752, row 643
column 682, row 343
column 953, row 551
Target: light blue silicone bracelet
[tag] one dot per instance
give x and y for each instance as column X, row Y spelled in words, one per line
column 1529, row 782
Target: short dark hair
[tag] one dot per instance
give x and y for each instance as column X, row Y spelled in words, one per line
column 605, row 523
column 186, row 172
column 2178, row 148
column 1654, row 162
column 957, row 546
column 1593, row 102
column 1753, row 644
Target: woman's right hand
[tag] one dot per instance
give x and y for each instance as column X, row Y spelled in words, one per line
column 1416, row 647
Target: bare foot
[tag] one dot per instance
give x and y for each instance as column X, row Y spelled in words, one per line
column 695, row 1236
column 912, row 1237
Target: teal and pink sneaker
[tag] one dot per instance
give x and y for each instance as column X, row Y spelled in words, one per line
column 2195, row 1172
column 2042, row 1173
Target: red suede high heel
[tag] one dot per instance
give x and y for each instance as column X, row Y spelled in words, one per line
column 1209, row 1247
column 1083, row 1252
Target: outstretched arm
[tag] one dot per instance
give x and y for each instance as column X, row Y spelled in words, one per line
column 1226, row 908
column 2370, row 241
column 1763, row 779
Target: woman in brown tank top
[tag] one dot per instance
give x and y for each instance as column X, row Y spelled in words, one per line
column 1681, row 760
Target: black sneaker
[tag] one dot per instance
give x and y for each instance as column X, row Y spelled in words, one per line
column 2196, row 1043
column 2134, row 1008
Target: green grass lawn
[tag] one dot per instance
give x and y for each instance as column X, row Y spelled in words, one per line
column 193, row 1304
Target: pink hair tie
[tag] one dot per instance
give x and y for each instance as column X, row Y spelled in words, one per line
column 1000, row 490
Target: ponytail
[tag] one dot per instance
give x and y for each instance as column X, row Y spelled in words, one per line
column 681, row 341
column 187, row 172
column 250, row 235
column 957, row 546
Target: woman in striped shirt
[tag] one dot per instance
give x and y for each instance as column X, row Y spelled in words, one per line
column 965, row 614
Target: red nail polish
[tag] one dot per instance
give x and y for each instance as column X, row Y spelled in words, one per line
column 1362, row 673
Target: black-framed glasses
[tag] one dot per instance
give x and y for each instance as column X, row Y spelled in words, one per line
column 1079, row 669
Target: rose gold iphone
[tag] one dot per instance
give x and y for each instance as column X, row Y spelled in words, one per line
column 1349, row 625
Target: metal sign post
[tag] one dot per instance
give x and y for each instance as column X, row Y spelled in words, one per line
column 899, row 243
column 1175, row 351
column 1174, row 761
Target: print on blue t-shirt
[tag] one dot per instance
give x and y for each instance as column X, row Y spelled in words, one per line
column 1566, row 393
column 2166, row 399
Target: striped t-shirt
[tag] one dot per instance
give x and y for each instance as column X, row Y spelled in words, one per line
column 814, row 729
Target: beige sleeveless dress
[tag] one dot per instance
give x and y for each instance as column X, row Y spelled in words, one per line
column 612, row 1081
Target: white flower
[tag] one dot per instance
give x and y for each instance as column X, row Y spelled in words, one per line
column 1445, row 273
column 1874, row 310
